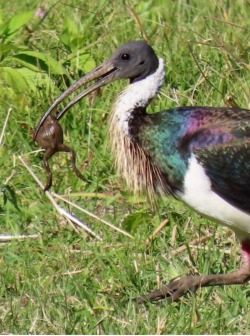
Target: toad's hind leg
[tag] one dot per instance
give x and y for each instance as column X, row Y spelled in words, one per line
column 65, row 148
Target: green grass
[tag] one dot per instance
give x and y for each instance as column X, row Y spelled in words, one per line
column 69, row 282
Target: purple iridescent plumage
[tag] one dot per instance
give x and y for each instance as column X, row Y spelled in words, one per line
column 171, row 137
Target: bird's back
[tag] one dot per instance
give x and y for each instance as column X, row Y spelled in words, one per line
column 218, row 139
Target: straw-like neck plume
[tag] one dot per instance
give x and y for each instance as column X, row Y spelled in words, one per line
column 132, row 163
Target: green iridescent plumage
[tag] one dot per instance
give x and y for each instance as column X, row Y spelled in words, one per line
column 219, row 138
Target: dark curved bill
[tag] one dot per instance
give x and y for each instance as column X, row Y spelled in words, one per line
column 105, row 74
column 105, row 80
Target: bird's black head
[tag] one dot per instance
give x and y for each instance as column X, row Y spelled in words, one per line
column 134, row 60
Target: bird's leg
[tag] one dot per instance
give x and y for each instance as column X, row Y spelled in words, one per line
column 65, row 148
column 49, row 152
column 174, row 290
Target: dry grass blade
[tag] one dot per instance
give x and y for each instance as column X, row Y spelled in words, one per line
column 57, row 207
column 5, row 125
column 93, row 215
column 74, row 219
column 200, row 69
column 198, row 241
column 138, row 22
column 155, row 233
column 7, row 237
column 33, row 325
column 226, row 22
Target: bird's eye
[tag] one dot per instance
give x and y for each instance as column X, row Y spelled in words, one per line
column 125, row 57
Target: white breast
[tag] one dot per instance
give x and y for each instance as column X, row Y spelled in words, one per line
column 199, row 195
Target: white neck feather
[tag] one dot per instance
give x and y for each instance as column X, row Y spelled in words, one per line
column 138, row 94
column 131, row 161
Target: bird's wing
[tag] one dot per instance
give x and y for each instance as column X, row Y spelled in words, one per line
column 221, row 144
column 228, row 167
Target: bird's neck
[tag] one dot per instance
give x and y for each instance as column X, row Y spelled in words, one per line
column 131, row 161
column 135, row 97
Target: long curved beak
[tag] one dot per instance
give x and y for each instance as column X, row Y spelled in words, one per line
column 105, row 73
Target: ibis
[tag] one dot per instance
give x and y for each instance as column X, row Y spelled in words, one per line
column 199, row 155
